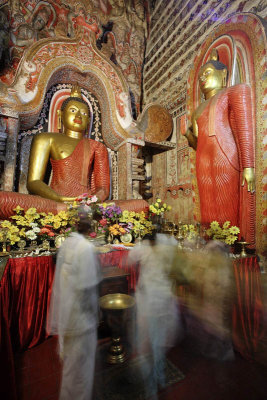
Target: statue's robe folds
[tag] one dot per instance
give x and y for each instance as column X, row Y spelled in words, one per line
column 225, row 147
column 86, row 170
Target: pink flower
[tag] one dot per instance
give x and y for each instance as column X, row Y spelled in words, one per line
column 94, row 199
column 92, row 234
column 103, row 222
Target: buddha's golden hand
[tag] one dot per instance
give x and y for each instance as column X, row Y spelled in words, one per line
column 64, row 199
column 249, row 177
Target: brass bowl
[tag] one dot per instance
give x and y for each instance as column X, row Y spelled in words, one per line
column 116, row 301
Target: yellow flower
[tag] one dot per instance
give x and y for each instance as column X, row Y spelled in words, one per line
column 230, row 239
column 57, row 224
column 63, row 215
column 125, row 214
column 214, row 225
column 31, row 211
column 6, row 224
column 169, row 208
column 158, row 200
column 226, row 224
column 18, row 209
column 234, row 230
column 164, row 205
column 22, row 232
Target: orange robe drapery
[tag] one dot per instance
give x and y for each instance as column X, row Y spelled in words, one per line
column 225, row 147
column 85, row 170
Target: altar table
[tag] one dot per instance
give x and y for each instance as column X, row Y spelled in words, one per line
column 25, row 290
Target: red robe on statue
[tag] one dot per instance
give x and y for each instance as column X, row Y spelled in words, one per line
column 225, row 147
column 86, row 170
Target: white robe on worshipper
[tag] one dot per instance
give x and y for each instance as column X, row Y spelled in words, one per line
column 73, row 315
column 158, row 316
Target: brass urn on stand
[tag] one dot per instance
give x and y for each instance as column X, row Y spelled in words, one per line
column 115, row 307
column 243, row 244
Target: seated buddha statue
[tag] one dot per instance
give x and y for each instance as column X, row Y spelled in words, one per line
column 79, row 165
column 222, row 135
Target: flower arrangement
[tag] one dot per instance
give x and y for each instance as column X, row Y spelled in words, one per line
column 86, row 199
column 117, row 223
column 227, row 233
column 31, row 225
column 190, row 232
column 109, row 212
column 158, row 207
column 117, row 230
column 137, row 223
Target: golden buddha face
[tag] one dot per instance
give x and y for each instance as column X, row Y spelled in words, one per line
column 75, row 117
column 210, row 78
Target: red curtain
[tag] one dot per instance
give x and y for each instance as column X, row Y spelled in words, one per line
column 25, row 291
column 247, row 319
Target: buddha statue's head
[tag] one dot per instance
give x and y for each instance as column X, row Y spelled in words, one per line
column 74, row 115
column 212, row 75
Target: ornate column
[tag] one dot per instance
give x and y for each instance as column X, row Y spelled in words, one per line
column 10, row 157
column 129, row 167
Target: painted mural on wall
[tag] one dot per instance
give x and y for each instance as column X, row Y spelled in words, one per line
column 119, row 28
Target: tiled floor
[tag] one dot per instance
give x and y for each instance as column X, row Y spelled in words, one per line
column 38, row 376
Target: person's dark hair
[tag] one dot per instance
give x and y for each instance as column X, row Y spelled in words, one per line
column 68, row 99
column 84, row 225
column 151, row 236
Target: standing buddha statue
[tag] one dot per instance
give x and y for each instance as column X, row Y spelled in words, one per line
column 222, row 135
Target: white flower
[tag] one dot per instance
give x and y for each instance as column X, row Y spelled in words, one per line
column 31, row 235
column 36, row 229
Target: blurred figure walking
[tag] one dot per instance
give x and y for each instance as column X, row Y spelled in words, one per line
column 158, row 318
column 74, row 311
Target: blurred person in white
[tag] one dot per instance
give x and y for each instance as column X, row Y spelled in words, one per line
column 209, row 302
column 158, row 317
column 73, row 312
